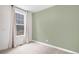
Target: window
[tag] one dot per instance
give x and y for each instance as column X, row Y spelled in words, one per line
column 20, row 24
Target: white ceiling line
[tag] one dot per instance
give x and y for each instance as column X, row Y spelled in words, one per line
column 34, row 8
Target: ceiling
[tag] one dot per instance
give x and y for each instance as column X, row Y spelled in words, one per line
column 34, row 8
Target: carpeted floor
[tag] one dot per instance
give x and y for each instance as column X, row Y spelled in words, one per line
column 33, row 48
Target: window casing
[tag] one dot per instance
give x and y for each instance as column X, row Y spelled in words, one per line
column 19, row 24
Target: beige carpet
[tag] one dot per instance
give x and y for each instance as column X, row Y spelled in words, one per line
column 33, row 48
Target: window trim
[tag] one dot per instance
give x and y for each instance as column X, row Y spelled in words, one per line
column 23, row 13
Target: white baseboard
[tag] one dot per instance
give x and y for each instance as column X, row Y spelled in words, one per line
column 56, row 47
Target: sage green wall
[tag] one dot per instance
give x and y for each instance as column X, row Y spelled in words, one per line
column 59, row 25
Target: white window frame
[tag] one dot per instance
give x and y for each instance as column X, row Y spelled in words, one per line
column 23, row 13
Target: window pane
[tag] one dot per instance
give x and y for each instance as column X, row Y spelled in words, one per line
column 20, row 29
column 19, row 18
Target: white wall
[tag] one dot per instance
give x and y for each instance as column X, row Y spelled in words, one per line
column 5, row 26
column 6, row 20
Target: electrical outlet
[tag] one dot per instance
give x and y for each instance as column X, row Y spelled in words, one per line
column 46, row 40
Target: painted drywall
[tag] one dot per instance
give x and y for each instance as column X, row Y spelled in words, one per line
column 5, row 26
column 58, row 25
